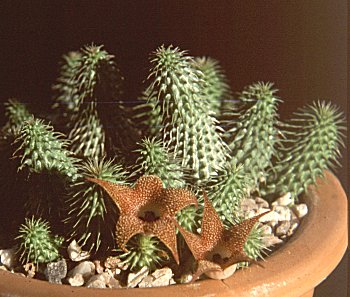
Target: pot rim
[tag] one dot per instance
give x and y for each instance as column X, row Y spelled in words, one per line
column 293, row 270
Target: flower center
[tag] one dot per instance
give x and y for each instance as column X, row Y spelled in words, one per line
column 149, row 215
column 219, row 255
column 217, row 258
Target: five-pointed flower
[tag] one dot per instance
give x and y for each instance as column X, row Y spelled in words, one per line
column 217, row 248
column 148, row 208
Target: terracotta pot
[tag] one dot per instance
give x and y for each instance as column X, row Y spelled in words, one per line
column 294, row 270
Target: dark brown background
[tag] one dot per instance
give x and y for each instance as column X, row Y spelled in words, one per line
column 299, row 45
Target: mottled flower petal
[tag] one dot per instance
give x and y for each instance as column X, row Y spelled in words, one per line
column 147, row 208
column 165, row 230
column 127, row 227
column 217, row 248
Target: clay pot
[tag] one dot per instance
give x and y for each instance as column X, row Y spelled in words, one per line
column 294, row 270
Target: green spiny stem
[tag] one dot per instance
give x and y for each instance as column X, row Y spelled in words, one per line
column 228, row 191
column 148, row 115
column 98, row 77
column 99, row 80
column 311, row 145
column 87, row 137
column 66, row 99
column 42, row 149
column 155, row 159
column 189, row 128
column 216, row 88
column 16, row 114
column 91, row 214
column 253, row 135
column 144, row 250
column 254, row 247
column 36, row 243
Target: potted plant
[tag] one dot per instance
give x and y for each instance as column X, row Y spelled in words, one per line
column 162, row 183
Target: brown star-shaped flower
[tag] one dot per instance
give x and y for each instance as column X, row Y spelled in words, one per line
column 217, row 248
column 147, row 208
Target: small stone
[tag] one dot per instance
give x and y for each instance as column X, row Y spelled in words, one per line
column 271, row 240
column 282, row 213
column 223, row 274
column 250, row 214
column 262, row 203
column 162, row 277
column 99, row 268
column 282, row 228
column 293, row 228
column 185, row 278
column 112, row 262
column 146, row 282
column 98, row 280
column 113, row 272
column 266, row 229
column 248, row 204
column 86, row 269
column 77, row 280
column 113, row 283
column 56, row 271
column 284, row 200
column 272, row 224
column 30, row 269
column 75, row 252
column 266, row 218
column 8, row 257
column 99, row 284
column 300, row 210
column 135, row 278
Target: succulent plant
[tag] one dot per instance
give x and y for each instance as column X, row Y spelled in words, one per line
column 174, row 144
column 253, row 135
column 87, row 137
column 40, row 148
column 16, row 114
column 311, row 145
column 155, row 159
column 36, row 243
column 189, row 127
column 144, row 251
column 91, row 215
column 216, row 88
column 100, row 81
column 228, row 191
column 43, row 161
column 66, row 99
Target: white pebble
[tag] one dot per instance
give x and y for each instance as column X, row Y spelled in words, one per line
column 86, row 269
column 8, row 257
column 284, row 200
column 293, row 227
column 266, row 229
column 99, row 284
column 248, row 204
column 268, row 217
column 270, row 240
column 75, row 252
column 162, row 277
column 76, row 281
column 300, row 210
column 282, row 228
column 283, row 213
column 262, row 203
column 135, row 278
